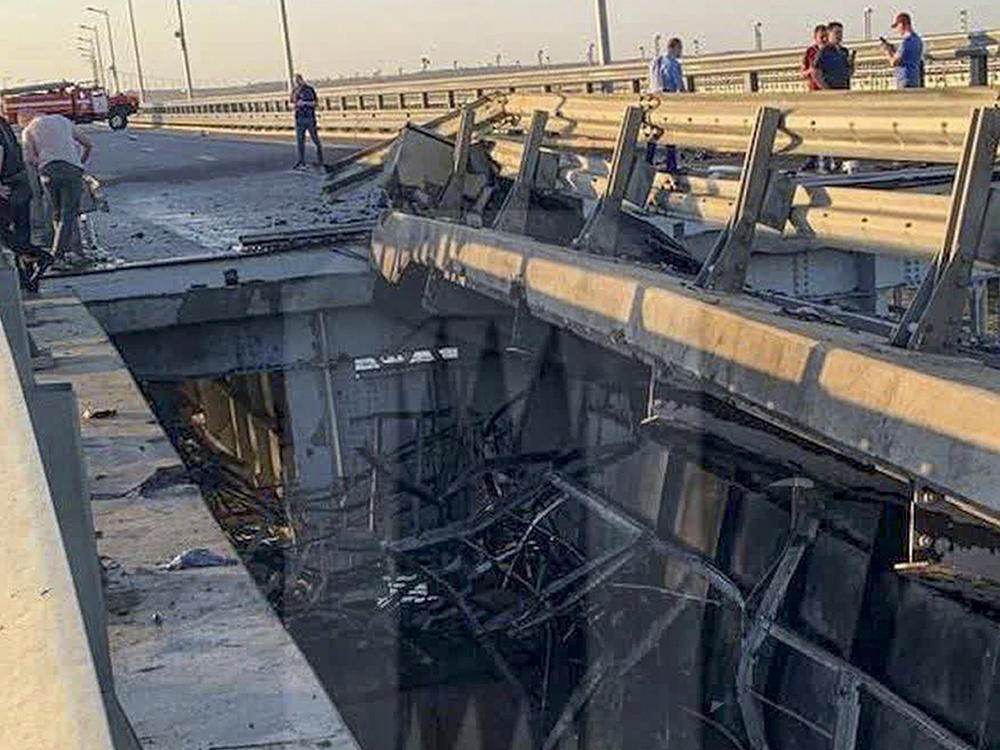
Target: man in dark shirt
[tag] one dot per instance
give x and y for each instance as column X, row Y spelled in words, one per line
column 15, row 192
column 836, row 62
column 304, row 100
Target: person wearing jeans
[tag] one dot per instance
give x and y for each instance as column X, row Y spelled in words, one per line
column 667, row 77
column 58, row 150
column 304, row 99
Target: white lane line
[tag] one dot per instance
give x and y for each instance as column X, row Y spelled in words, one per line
column 206, row 158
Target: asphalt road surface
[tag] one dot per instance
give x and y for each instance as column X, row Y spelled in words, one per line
column 172, row 194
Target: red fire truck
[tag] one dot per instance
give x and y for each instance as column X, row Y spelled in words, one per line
column 79, row 103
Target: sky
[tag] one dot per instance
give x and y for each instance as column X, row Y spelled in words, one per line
column 238, row 41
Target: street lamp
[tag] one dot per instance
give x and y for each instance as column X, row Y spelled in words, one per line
column 868, row 23
column 182, row 38
column 96, row 41
column 963, row 20
column 603, row 36
column 87, row 53
column 758, row 36
column 135, row 45
column 111, row 43
column 288, row 45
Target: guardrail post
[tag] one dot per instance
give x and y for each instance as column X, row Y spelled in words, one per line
column 513, row 216
column 978, row 57
column 451, row 197
column 934, row 319
column 726, row 267
column 600, row 232
column 751, row 82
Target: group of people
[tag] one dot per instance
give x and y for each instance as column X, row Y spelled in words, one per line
column 56, row 150
column 826, row 64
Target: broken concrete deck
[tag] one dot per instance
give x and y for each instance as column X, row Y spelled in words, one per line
column 200, row 659
column 933, row 418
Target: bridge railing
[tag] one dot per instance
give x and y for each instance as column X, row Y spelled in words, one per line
column 373, row 108
column 58, row 685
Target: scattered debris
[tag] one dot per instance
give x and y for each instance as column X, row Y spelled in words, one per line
column 93, row 414
column 198, row 558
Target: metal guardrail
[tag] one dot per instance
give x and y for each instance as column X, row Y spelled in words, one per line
column 913, row 125
column 373, row 108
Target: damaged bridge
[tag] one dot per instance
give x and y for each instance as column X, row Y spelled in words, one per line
column 564, row 452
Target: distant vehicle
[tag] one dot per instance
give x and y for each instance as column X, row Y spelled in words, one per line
column 81, row 104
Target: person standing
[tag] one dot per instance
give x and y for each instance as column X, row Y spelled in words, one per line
column 15, row 192
column 908, row 58
column 836, row 62
column 810, row 70
column 304, row 99
column 667, row 77
column 58, row 150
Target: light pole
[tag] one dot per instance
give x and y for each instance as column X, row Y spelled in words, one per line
column 184, row 49
column 590, row 53
column 135, row 46
column 868, row 23
column 963, row 20
column 603, row 36
column 111, row 44
column 758, row 36
column 96, row 41
column 697, row 47
column 87, row 53
column 288, row 45
column 657, row 40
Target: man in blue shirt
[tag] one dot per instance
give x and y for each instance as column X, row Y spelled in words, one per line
column 908, row 59
column 304, row 99
column 667, row 77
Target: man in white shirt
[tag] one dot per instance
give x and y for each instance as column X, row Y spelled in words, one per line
column 58, row 150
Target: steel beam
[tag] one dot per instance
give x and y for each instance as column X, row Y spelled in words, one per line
column 803, row 535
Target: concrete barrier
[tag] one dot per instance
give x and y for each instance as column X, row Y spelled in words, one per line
column 53, row 643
